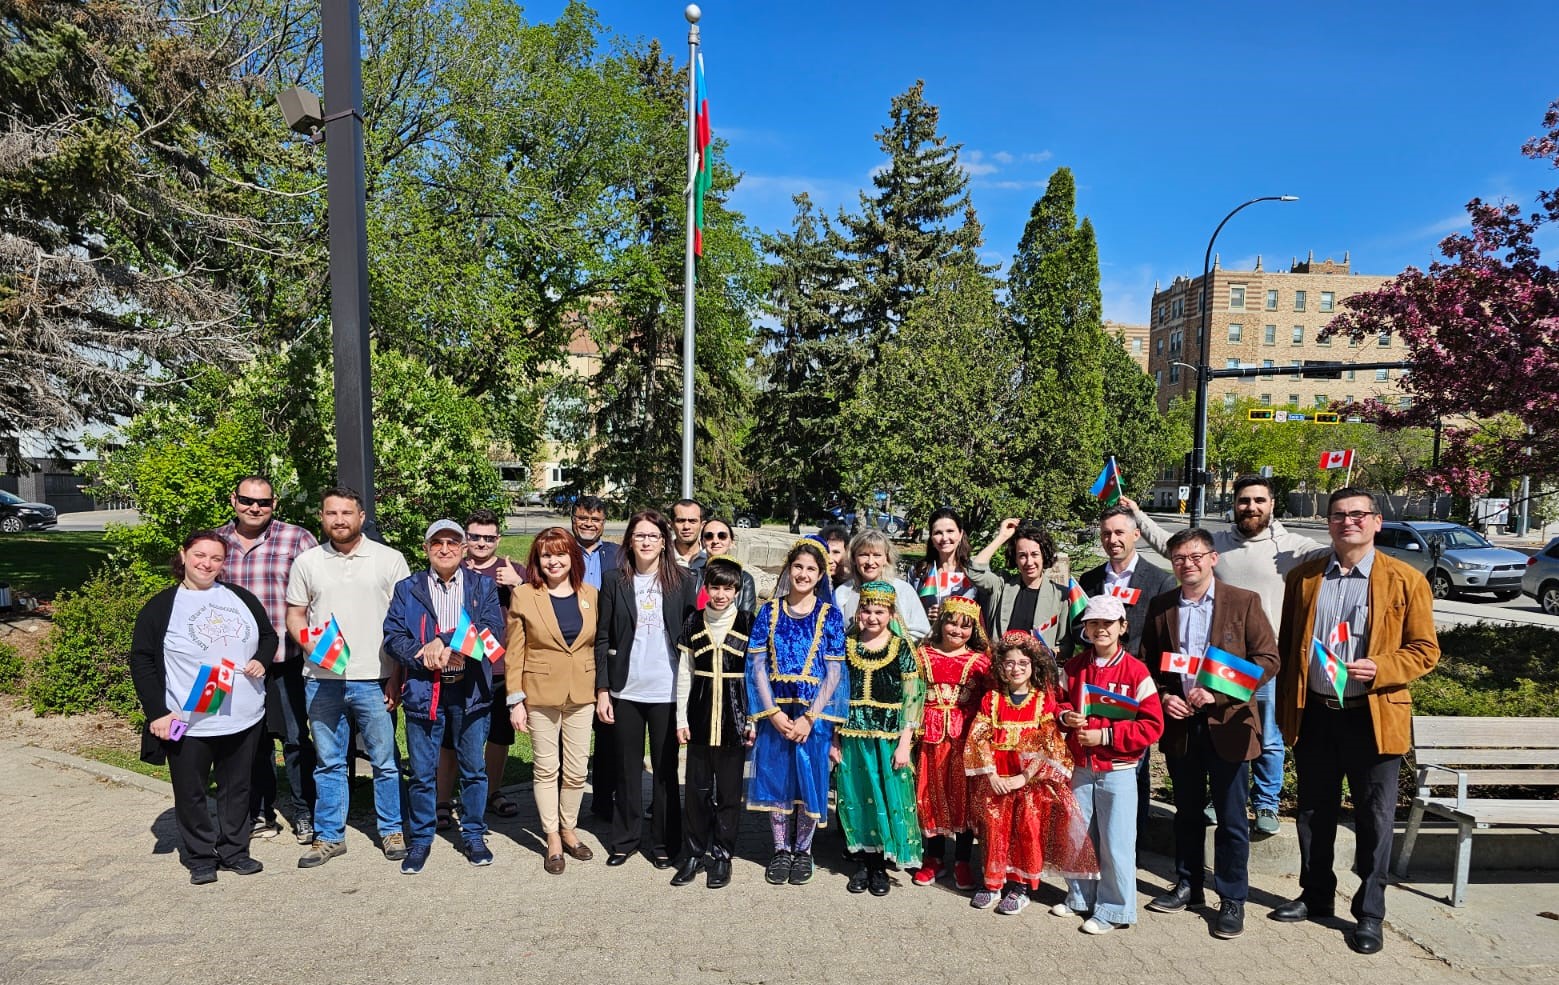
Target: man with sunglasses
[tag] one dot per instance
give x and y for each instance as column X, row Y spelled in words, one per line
column 260, row 552
column 1374, row 616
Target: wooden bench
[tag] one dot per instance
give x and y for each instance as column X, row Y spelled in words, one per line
column 1471, row 752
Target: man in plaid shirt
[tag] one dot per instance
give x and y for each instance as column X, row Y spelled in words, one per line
column 260, row 552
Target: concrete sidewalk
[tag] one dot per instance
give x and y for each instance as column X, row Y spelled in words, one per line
column 95, row 894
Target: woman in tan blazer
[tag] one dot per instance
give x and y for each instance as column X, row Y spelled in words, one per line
column 551, row 683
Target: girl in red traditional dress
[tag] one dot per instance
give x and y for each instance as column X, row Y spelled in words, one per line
column 1020, row 796
column 956, row 662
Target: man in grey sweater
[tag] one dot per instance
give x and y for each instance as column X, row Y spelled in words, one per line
column 1257, row 554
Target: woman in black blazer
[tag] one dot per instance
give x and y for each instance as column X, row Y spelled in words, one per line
column 643, row 605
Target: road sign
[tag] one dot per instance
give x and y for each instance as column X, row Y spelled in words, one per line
column 1280, row 416
column 1185, row 492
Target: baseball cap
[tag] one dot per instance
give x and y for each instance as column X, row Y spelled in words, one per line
column 1106, row 608
column 444, row 526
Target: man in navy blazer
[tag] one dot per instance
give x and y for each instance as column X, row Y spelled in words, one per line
column 436, row 628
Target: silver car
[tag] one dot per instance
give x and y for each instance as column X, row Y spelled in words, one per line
column 1541, row 580
column 1454, row 558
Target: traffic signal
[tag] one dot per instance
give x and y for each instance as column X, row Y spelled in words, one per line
column 1325, row 370
column 1323, row 417
column 1258, row 415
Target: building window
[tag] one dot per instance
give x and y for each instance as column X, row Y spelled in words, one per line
column 1293, row 400
column 1269, row 334
column 1236, row 297
column 1296, row 362
column 1234, row 332
column 1351, row 376
column 1266, row 400
column 1158, row 347
column 1299, row 300
column 1231, row 364
column 1272, row 300
column 1297, row 337
column 1228, row 401
column 1404, row 402
column 1158, row 377
column 1174, row 373
column 1384, row 341
column 1382, row 375
column 1266, row 364
column 1136, row 346
column 1321, row 400
column 1347, row 398
column 1321, row 339
column 1328, row 300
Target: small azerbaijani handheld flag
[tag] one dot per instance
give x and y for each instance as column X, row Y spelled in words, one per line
column 1180, row 663
column 330, row 651
column 212, row 685
column 1331, row 665
column 466, row 639
column 1100, row 702
column 1128, row 596
column 1337, row 459
column 1223, row 671
column 1076, row 598
column 704, row 179
column 1107, row 488
column 491, row 648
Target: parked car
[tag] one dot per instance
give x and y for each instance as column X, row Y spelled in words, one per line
column 1541, row 580
column 533, row 498
column 16, row 514
column 886, row 522
column 1454, row 558
column 745, row 519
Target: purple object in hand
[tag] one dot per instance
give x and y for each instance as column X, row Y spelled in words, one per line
column 176, row 729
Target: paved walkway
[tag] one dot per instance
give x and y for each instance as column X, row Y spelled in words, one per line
column 95, row 894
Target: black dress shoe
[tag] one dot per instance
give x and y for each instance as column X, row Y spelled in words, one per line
column 686, row 872
column 1231, row 920
column 877, row 881
column 1178, row 899
column 661, row 861
column 778, row 870
column 202, row 877
column 1366, row 937
column 616, row 858
column 858, row 880
column 717, row 874
column 243, row 866
column 1298, row 911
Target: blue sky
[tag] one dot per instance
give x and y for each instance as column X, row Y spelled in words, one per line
column 1385, row 118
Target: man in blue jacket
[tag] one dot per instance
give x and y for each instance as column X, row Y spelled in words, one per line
column 433, row 631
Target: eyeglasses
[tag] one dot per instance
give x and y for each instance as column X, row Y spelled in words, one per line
column 483, row 538
column 585, row 518
column 716, row 535
column 1352, row 516
column 262, row 501
column 445, row 542
column 647, row 538
column 1181, row 560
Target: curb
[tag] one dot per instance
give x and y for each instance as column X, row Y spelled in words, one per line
column 103, row 771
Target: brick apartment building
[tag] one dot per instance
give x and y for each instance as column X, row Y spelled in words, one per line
column 1134, row 338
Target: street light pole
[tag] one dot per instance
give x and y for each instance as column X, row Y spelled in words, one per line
column 345, row 191
column 1199, row 450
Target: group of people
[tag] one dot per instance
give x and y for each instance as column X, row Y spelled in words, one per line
column 1011, row 709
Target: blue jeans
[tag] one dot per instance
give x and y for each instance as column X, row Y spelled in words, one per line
column 423, row 741
column 334, row 707
column 1108, row 801
column 1267, row 770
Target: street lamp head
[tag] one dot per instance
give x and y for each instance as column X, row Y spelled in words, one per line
column 692, row 13
column 301, row 109
column 1288, row 198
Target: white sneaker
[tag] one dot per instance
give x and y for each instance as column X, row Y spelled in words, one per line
column 1060, row 910
column 1095, row 926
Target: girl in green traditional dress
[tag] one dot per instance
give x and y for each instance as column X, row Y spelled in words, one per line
column 874, row 780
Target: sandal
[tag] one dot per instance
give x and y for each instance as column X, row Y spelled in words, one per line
column 445, row 815
column 502, row 806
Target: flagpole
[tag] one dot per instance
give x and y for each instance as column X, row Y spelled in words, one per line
column 692, row 13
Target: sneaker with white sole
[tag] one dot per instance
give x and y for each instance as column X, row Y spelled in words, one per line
column 1267, row 821
column 985, row 899
column 1095, row 926
column 1062, row 910
column 1013, row 903
column 266, row 828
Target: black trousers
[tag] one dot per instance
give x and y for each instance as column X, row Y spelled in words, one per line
column 1200, row 771
column 635, row 719
column 287, row 718
column 229, row 759
column 603, row 769
column 712, row 800
column 1332, row 745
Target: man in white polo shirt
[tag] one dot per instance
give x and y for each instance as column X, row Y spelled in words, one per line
column 349, row 578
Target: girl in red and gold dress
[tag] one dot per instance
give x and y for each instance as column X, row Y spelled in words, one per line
column 956, row 662
column 1020, row 793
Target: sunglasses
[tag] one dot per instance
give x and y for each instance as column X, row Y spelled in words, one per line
column 483, row 538
column 716, row 535
column 255, row 500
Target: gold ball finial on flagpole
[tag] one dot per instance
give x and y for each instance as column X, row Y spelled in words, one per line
column 692, row 13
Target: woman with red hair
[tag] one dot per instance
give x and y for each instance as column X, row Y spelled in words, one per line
column 551, row 683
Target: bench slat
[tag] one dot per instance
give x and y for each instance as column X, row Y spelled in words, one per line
column 1487, row 757
column 1534, row 812
column 1514, row 778
column 1430, row 731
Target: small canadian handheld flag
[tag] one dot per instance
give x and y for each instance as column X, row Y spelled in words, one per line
column 1180, row 663
column 1337, row 459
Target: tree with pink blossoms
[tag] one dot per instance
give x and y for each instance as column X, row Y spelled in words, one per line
column 1481, row 329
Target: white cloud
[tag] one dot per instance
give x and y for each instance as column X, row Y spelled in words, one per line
column 1003, row 157
column 1037, row 157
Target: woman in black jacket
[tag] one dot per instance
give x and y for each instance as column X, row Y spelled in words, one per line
column 643, row 605
column 202, row 687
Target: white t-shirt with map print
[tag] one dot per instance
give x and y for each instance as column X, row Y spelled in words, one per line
column 207, row 628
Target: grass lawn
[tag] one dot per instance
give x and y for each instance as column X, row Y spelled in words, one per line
column 516, row 547
column 46, row 562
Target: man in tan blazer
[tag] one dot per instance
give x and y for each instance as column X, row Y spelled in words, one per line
column 1209, row 737
column 1376, row 617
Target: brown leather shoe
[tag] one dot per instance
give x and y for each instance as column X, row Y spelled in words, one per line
column 579, row 851
column 554, row 865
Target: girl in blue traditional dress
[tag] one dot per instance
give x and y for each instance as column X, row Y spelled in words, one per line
column 799, row 691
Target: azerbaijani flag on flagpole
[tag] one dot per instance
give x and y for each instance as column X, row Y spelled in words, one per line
column 1224, row 672
column 466, row 640
column 212, row 685
column 704, row 178
column 330, row 651
column 1107, row 488
column 1076, row 598
column 1100, row 702
column 1331, row 665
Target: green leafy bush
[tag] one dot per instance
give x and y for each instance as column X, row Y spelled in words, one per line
column 1491, row 671
column 11, row 669
column 85, row 664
